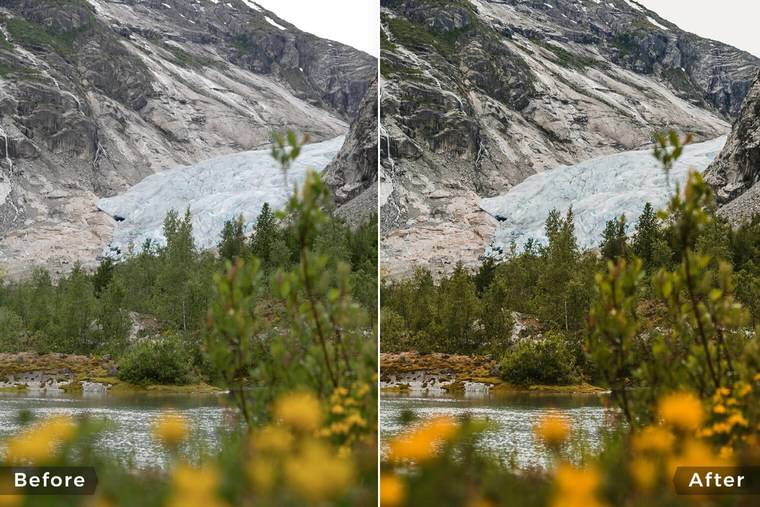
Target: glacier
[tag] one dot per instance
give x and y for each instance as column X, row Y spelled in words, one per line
column 598, row 190
column 215, row 190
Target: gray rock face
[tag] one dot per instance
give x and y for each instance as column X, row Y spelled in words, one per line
column 735, row 173
column 352, row 176
column 96, row 95
column 478, row 95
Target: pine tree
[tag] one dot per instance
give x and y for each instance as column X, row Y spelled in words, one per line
column 233, row 244
column 646, row 237
column 613, row 243
column 264, row 236
column 485, row 275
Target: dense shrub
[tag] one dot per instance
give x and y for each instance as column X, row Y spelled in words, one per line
column 160, row 361
column 11, row 331
column 550, row 360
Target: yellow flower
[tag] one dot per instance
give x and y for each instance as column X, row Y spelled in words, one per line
column 552, row 429
column 11, row 500
column 681, row 410
column 726, row 452
column 195, row 487
column 576, row 487
column 299, row 410
column 421, row 444
column 26, row 448
column 355, row 419
column 723, row 391
column 37, row 444
column 719, row 409
column 339, row 428
column 362, row 390
column 653, row 438
column 392, row 491
column 744, row 390
column 731, row 402
column 737, row 418
column 756, row 378
column 644, row 473
column 197, row 481
column 316, row 474
column 338, row 409
column 59, row 428
column 171, row 429
column 272, row 439
column 721, row 427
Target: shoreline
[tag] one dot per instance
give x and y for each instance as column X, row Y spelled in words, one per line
column 57, row 373
column 438, row 373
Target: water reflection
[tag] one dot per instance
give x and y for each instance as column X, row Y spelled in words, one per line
column 511, row 438
column 127, row 436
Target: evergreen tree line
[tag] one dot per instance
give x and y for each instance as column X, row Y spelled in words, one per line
column 91, row 313
column 472, row 313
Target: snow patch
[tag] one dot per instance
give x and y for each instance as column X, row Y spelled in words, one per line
column 274, row 23
column 215, row 190
column 252, row 5
column 598, row 190
column 655, row 23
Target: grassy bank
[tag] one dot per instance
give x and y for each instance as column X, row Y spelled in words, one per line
column 80, row 368
column 463, row 368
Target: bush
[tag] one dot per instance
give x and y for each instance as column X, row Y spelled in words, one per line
column 160, row 361
column 11, row 331
column 550, row 360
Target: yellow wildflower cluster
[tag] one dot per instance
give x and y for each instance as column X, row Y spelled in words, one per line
column 346, row 422
column 657, row 451
column 290, row 453
column 681, row 410
column 576, row 487
column 552, row 429
column 392, row 490
column 195, row 487
column 730, row 417
column 300, row 411
column 171, row 429
column 423, row 442
column 38, row 444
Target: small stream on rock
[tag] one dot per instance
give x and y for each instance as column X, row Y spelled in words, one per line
column 513, row 415
column 130, row 417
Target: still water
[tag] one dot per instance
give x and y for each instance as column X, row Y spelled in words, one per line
column 512, row 416
column 130, row 418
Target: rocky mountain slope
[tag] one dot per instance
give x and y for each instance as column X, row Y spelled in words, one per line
column 353, row 174
column 476, row 96
column 736, row 172
column 95, row 95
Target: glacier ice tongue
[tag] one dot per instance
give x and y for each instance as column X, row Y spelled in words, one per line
column 215, row 190
column 598, row 190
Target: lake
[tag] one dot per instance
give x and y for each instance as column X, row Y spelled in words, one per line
column 513, row 416
column 128, row 437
